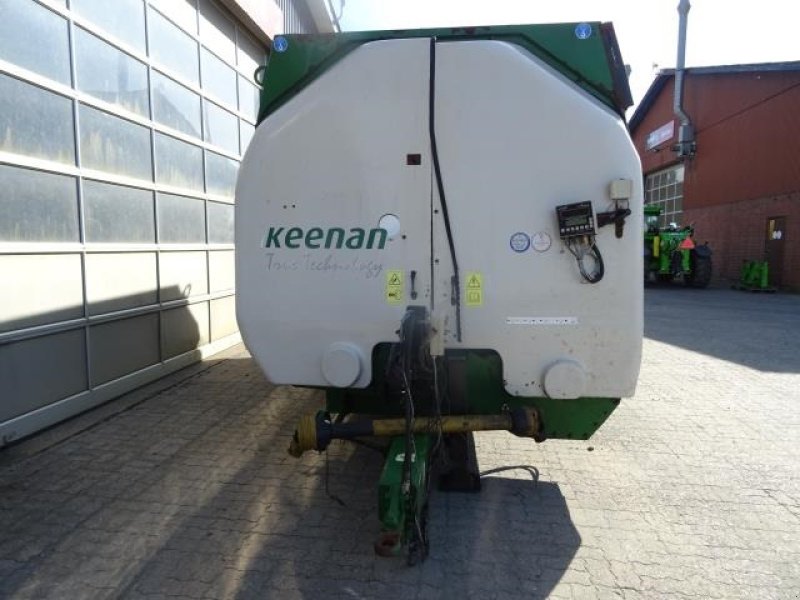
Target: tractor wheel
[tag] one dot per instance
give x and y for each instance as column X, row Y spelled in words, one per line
column 700, row 276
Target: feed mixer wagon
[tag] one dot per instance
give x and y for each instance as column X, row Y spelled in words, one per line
column 442, row 230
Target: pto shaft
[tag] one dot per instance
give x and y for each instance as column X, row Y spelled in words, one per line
column 316, row 432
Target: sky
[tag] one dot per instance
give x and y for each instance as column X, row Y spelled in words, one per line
column 720, row 32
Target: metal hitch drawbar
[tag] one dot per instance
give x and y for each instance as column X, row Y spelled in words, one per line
column 317, row 431
column 404, row 483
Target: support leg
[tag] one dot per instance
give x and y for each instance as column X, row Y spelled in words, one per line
column 460, row 473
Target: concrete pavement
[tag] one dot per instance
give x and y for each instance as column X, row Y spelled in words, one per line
column 690, row 489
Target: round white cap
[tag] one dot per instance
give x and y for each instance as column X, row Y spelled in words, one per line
column 565, row 379
column 341, row 364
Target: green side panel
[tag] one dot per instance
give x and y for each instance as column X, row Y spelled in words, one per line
column 594, row 63
column 485, row 394
column 578, row 418
column 394, row 510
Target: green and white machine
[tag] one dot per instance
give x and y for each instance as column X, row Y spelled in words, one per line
column 671, row 253
column 442, row 229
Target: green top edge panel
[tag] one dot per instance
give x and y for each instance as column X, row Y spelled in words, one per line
column 594, row 62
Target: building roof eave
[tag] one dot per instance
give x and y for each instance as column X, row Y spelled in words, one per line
column 665, row 75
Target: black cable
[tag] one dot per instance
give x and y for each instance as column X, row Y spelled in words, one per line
column 747, row 108
column 600, row 268
column 407, row 341
column 579, row 255
column 440, row 185
column 409, row 433
column 532, row 471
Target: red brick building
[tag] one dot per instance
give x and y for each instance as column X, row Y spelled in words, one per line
column 741, row 188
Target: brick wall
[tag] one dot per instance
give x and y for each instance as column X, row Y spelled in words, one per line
column 746, row 168
column 737, row 232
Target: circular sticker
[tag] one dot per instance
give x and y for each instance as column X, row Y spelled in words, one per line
column 583, row 31
column 280, row 44
column 391, row 224
column 520, row 242
column 541, row 241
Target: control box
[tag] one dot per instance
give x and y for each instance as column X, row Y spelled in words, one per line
column 575, row 219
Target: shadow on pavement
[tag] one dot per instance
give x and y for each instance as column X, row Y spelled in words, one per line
column 515, row 537
column 192, row 493
column 759, row 331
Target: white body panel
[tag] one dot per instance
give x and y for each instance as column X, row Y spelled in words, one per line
column 334, row 156
column 515, row 140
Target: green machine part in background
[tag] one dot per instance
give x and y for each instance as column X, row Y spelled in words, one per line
column 671, row 253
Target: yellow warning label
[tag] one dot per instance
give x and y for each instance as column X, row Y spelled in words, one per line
column 474, row 289
column 394, row 287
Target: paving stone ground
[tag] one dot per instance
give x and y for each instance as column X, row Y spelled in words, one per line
column 690, row 490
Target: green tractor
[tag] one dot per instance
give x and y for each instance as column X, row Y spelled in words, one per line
column 671, row 252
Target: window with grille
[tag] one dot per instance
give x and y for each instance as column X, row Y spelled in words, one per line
column 665, row 189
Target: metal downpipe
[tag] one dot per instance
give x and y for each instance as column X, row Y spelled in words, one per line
column 685, row 145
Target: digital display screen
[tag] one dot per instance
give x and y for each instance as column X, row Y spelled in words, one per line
column 575, row 219
column 580, row 219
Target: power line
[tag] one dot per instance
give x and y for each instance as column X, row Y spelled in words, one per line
column 748, row 108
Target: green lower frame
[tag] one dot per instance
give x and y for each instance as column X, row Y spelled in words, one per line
column 575, row 419
column 399, row 512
